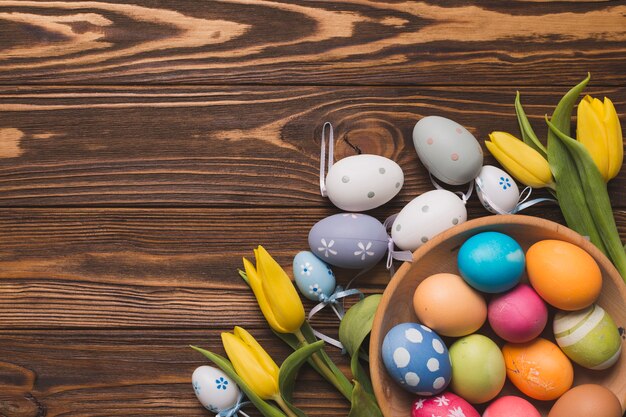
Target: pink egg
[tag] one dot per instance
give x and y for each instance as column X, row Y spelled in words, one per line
column 511, row 406
column 444, row 405
column 519, row 315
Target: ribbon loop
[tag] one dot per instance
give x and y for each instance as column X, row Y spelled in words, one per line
column 464, row 196
column 331, row 153
column 404, row 255
column 235, row 409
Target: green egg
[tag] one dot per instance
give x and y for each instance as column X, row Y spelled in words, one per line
column 478, row 369
column 588, row 337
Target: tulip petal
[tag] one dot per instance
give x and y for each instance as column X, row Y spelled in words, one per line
column 591, row 133
column 614, row 138
column 244, row 362
column 261, row 355
column 257, row 288
column 280, row 292
column 512, row 167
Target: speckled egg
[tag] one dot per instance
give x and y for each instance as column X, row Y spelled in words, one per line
column 447, row 150
column 425, row 217
column 589, row 337
column 349, row 240
column 519, row 315
column 313, row 276
column 563, row 274
column 446, row 304
column 478, row 371
column 363, row 182
column 539, row 369
column 445, row 404
column 511, row 406
column 491, row 262
column 496, row 190
column 215, row 391
column 416, row 358
column 587, row 400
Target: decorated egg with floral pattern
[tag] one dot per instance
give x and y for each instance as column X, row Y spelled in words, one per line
column 313, row 277
column 349, row 240
column 445, row 404
column 496, row 190
column 417, row 359
column 214, row 389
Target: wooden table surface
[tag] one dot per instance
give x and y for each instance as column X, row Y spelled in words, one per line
column 146, row 146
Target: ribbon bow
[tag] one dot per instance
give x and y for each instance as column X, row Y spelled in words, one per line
column 333, row 301
column 235, row 410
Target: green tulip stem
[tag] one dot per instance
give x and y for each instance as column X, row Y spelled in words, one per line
column 324, row 369
column 283, row 405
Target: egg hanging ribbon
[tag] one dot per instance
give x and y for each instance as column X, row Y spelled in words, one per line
column 464, row 196
column 333, row 302
column 235, row 410
column 522, row 204
column 399, row 255
column 331, row 153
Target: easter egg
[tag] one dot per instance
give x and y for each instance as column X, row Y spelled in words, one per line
column 363, row 182
column 588, row 337
column 215, row 391
column 539, row 369
column 445, row 404
column 491, row 262
column 349, row 240
column 511, row 406
column 519, row 315
column 496, row 190
column 416, row 358
column 313, row 276
column 426, row 216
column 478, row 371
column 447, row 150
column 588, row 400
column 446, row 304
column 563, row 274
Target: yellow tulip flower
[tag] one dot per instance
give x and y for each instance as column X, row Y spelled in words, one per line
column 252, row 363
column 598, row 129
column 520, row 160
column 277, row 297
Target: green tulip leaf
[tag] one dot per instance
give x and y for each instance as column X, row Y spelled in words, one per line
column 243, row 276
column 363, row 403
column 290, row 367
column 355, row 326
column 224, row 364
column 597, row 199
column 528, row 134
column 569, row 190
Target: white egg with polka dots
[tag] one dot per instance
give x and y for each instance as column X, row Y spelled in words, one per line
column 214, row 389
column 417, row 359
column 363, row 182
column 425, row 217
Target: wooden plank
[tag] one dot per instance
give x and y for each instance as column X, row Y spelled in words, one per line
column 146, row 268
column 290, row 42
column 225, row 146
column 128, row 373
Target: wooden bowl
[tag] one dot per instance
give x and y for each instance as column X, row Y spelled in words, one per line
column 439, row 255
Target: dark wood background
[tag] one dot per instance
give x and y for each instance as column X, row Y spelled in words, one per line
column 146, row 146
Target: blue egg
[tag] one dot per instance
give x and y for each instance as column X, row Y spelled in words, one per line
column 313, row 276
column 491, row 262
column 417, row 359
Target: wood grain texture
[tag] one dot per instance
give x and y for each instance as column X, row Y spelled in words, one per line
column 223, row 146
column 357, row 42
column 127, row 373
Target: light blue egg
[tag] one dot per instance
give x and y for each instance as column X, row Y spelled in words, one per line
column 313, row 276
column 417, row 359
column 491, row 262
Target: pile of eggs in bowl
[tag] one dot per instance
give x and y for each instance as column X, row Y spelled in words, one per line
column 474, row 368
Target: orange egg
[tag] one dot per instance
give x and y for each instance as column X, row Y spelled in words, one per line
column 563, row 274
column 539, row 369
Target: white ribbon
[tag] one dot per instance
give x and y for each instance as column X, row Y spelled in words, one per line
column 333, row 301
column 521, row 204
column 464, row 196
column 331, row 153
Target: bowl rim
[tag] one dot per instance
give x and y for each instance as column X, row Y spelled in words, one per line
column 481, row 222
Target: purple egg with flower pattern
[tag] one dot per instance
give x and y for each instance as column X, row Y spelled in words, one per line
column 349, row 240
column 417, row 359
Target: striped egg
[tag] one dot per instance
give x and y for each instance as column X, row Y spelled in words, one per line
column 588, row 337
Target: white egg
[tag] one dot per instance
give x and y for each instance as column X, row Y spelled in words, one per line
column 363, row 182
column 215, row 390
column 496, row 190
column 447, row 150
column 426, row 216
